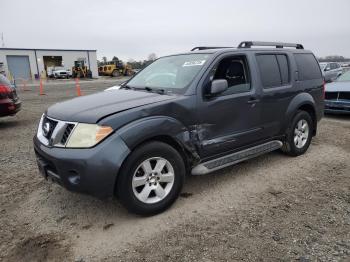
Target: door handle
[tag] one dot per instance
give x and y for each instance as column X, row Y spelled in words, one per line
column 253, row 100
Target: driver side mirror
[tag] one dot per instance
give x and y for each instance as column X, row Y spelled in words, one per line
column 218, row 86
column 327, row 69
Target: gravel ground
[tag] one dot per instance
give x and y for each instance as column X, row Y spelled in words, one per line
column 272, row 208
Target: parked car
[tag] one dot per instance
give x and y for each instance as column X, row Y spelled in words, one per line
column 58, row 72
column 337, row 97
column 9, row 101
column 186, row 114
column 331, row 71
column 113, row 88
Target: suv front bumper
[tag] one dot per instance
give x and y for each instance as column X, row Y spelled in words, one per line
column 337, row 106
column 91, row 170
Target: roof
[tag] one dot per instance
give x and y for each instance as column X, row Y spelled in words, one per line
column 238, row 50
column 43, row 49
column 247, row 46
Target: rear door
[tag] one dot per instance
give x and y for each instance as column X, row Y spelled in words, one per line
column 276, row 80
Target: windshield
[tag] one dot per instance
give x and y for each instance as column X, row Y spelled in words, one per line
column 172, row 73
column 4, row 80
column 344, row 77
column 323, row 65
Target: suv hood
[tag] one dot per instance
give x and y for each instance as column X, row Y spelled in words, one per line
column 338, row 86
column 91, row 108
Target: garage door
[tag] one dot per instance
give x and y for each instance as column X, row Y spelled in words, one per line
column 19, row 66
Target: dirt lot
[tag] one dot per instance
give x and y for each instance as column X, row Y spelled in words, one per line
column 272, row 208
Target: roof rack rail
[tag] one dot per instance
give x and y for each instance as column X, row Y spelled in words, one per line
column 209, row 47
column 249, row 44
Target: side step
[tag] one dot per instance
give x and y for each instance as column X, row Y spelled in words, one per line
column 216, row 164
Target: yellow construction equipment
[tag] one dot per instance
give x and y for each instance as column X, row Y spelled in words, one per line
column 115, row 68
column 80, row 70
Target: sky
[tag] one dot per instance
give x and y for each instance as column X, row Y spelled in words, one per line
column 133, row 29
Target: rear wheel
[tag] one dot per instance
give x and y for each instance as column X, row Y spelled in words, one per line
column 299, row 134
column 151, row 178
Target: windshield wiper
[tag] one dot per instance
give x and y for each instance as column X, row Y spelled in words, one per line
column 157, row 90
column 126, row 87
column 150, row 89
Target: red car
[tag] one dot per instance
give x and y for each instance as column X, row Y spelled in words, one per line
column 9, row 101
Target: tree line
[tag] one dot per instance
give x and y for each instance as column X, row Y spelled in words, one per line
column 133, row 63
column 334, row 58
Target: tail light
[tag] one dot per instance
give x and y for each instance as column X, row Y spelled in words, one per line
column 5, row 91
column 324, row 90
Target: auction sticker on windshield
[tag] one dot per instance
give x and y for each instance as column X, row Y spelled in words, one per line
column 194, row 63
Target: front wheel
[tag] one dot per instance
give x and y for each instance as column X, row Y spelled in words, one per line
column 115, row 73
column 298, row 134
column 151, row 178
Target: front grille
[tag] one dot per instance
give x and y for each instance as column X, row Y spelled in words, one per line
column 48, row 126
column 331, row 95
column 67, row 133
column 337, row 96
column 344, row 95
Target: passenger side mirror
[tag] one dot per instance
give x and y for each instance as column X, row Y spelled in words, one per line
column 218, row 86
column 327, row 69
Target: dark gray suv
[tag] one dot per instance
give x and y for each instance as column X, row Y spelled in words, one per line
column 186, row 114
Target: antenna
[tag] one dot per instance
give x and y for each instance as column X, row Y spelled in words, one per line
column 2, row 40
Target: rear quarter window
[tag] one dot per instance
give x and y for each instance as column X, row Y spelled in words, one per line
column 308, row 67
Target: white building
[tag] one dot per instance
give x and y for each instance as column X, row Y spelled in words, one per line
column 30, row 63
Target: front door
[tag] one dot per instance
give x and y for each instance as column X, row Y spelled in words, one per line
column 231, row 119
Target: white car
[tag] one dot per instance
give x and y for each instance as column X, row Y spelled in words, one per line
column 58, row 72
column 331, row 71
column 112, row 88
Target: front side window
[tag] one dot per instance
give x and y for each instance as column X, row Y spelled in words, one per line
column 172, row 73
column 234, row 70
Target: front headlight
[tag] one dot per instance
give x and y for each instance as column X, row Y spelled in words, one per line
column 88, row 135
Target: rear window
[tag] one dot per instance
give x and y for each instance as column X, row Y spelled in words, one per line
column 308, row 67
column 284, row 68
column 274, row 70
column 269, row 71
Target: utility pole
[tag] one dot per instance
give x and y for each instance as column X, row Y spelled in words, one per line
column 2, row 40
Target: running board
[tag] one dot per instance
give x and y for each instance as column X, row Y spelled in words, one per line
column 228, row 160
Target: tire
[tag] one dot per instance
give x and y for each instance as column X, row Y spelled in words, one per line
column 298, row 135
column 161, row 190
column 115, row 73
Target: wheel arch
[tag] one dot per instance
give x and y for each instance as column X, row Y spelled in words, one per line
column 305, row 102
column 164, row 129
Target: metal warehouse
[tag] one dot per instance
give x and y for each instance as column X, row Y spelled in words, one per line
column 23, row 63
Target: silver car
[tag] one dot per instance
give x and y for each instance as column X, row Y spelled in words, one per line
column 337, row 96
column 331, row 71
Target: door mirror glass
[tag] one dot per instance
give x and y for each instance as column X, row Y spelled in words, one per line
column 218, row 86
